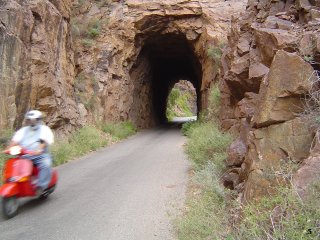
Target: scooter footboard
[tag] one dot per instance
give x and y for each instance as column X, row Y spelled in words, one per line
column 9, row 190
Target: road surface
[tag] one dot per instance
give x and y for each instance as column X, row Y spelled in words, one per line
column 129, row 191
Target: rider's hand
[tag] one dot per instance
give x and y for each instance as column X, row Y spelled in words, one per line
column 36, row 152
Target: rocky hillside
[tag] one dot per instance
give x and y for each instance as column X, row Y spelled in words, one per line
column 271, row 61
column 123, row 58
column 101, row 60
column 128, row 54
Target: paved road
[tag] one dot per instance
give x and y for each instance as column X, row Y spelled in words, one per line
column 128, row 191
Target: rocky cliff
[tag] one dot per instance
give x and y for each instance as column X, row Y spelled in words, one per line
column 37, row 64
column 269, row 66
column 123, row 58
column 83, row 61
column 129, row 53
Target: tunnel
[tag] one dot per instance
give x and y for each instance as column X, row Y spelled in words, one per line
column 163, row 60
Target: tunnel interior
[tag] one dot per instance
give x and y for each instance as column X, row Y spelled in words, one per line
column 164, row 59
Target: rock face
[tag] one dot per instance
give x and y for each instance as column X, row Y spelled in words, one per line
column 124, row 57
column 281, row 92
column 85, row 61
column 36, row 67
column 268, row 68
column 143, row 48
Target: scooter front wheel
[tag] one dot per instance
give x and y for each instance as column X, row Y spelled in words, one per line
column 10, row 206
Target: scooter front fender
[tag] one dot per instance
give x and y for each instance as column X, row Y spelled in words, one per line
column 9, row 190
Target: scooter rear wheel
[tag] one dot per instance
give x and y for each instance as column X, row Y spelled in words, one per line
column 10, row 206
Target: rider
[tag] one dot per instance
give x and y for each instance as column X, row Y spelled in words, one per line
column 36, row 137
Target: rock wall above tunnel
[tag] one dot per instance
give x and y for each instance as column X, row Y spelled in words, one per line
column 114, row 69
column 269, row 65
column 36, row 67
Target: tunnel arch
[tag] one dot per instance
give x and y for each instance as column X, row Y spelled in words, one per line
column 164, row 59
column 182, row 101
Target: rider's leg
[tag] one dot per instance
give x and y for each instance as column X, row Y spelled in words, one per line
column 44, row 176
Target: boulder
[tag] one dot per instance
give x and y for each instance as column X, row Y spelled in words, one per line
column 277, row 23
column 268, row 148
column 243, row 46
column 246, row 107
column 231, row 178
column 307, row 175
column 269, row 41
column 280, row 97
column 236, row 153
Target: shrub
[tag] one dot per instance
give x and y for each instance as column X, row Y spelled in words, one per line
column 282, row 216
column 187, row 127
column 81, row 142
column 207, row 143
column 88, row 43
column 178, row 104
column 5, row 137
column 206, row 216
column 119, row 130
column 212, row 112
column 215, row 53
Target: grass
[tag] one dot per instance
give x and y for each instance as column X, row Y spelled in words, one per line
column 90, row 138
column 207, row 143
column 119, row 130
column 213, row 212
column 283, row 215
column 81, row 142
column 178, row 104
column 206, row 207
column 5, row 137
column 206, row 216
column 211, row 209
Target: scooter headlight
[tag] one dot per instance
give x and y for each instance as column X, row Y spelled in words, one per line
column 12, row 179
column 15, row 150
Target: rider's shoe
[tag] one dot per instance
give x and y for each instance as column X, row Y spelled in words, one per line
column 39, row 191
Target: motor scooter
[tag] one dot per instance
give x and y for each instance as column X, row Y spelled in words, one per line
column 19, row 177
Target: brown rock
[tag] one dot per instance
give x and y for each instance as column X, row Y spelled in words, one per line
column 236, row 153
column 257, row 71
column 280, row 94
column 304, row 4
column 307, row 175
column 230, row 179
column 268, row 147
column 246, row 107
column 269, row 41
column 36, row 66
column 243, row 46
column 276, row 23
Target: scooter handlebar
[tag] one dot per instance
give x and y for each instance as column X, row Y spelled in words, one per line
column 17, row 150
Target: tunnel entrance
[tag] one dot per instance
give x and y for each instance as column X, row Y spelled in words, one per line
column 182, row 102
column 163, row 61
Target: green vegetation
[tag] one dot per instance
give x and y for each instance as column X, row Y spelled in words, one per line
column 213, row 212
column 206, row 217
column 178, row 104
column 119, row 130
column 5, row 137
column 88, row 43
column 86, row 139
column 87, row 87
column 90, row 138
column 81, row 142
column 207, row 143
column 215, row 53
column 282, row 216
